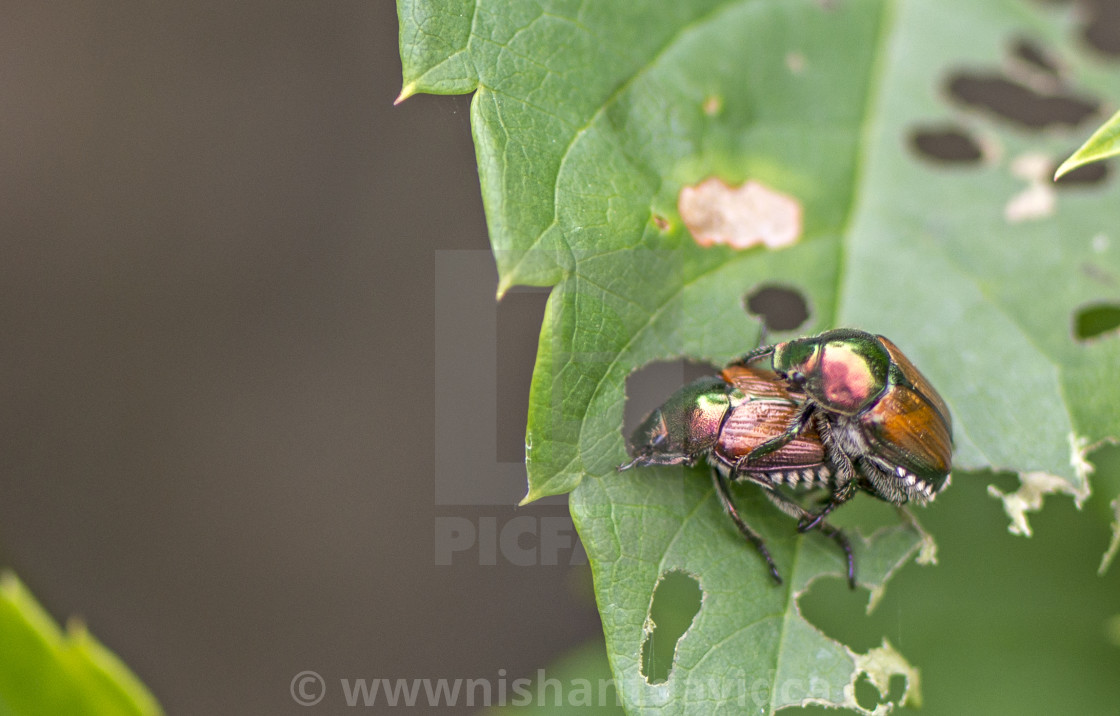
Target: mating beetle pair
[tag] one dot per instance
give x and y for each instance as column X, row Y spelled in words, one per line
column 844, row 410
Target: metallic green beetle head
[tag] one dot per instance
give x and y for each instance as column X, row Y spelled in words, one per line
column 685, row 427
column 844, row 370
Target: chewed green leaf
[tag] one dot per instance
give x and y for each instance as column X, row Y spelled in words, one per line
column 1104, row 143
column 591, row 118
column 1114, row 543
column 597, row 124
column 748, row 649
column 883, row 662
column 46, row 671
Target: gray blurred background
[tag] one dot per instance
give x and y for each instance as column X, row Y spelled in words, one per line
column 216, row 345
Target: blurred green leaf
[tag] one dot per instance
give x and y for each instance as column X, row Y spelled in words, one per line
column 590, row 117
column 1104, row 143
column 1003, row 626
column 45, row 671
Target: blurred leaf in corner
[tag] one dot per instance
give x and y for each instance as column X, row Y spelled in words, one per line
column 46, row 671
column 1104, row 143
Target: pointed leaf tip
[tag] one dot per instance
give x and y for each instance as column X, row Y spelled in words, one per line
column 1065, row 167
column 1104, row 143
column 407, row 91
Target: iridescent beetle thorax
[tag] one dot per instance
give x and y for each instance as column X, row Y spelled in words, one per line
column 844, row 375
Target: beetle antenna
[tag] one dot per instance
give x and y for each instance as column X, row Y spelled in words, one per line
column 754, row 355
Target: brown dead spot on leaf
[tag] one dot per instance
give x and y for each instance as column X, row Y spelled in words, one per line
column 795, row 62
column 739, row 217
column 712, row 105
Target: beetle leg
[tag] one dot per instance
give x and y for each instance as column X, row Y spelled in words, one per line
column 845, row 481
column 796, row 511
column 839, row 496
column 648, row 459
column 844, row 470
column 845, row 545
column 754, row 355
column 785, row 504
column 796, row 426
column 628, row 465
column 811, row 521
column 752, row 536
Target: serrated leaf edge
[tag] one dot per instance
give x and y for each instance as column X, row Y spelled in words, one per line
column 880, row 664
column 1035, row 486
column 878, row 657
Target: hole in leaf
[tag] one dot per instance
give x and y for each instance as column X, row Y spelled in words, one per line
column 1102, row 30
column 1018, row 103
column 897, row 689
column 1092, row 321
column 946, row 144
column 781, row 308
column 1035, row 56
column 675, row 603
column 650, row 386
column 1094, row 173
column 839, row 612
column 867, row 695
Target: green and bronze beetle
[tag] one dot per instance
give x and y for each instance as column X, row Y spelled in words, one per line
column 884, row 428
column 721, row 419
column 842, row 411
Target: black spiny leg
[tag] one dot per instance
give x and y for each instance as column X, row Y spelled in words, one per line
column 796, row 511
column 845, row 478
column 751, row 535
column 842, row 540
